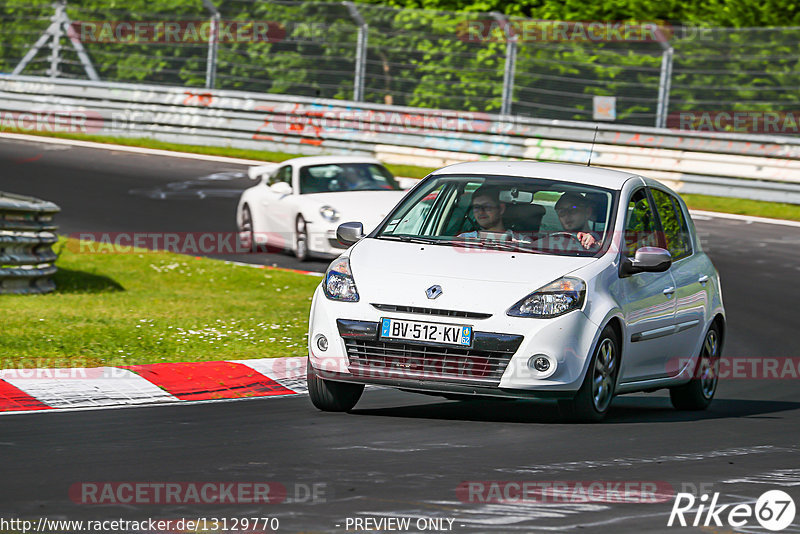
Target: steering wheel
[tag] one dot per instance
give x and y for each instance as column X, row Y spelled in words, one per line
column 567, row 234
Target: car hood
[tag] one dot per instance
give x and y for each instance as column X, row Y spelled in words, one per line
column 366, row 207
column 391, row 272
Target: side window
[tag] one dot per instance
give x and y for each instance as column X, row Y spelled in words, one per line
column 284, row 174
column 413, row 221
column 676, row 231
column 640, row 227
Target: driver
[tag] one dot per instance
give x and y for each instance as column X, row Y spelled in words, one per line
column 573, row 211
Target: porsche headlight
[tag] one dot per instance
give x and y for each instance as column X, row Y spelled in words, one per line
column 329, row 214
column 339, row 283
column 554, row 299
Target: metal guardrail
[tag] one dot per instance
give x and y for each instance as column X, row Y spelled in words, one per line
column 737, row 165
column 26, row 239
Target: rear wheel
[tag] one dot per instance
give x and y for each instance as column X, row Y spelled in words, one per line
column 597, row 391
column 698, row 393
column 301, row 239
column 330, row 396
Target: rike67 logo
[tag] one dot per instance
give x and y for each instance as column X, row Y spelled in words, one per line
column 774, row 510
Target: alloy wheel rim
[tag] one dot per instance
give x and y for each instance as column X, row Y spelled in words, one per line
column 247, row 230
column 605, row 365
column 301, row 238
column 709, row 365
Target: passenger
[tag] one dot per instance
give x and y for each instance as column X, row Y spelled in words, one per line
column 488, row 212
column 574, row 211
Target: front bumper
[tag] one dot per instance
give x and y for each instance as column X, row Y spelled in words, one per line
column 496, row 365
column 455, row 388
column 322, row 240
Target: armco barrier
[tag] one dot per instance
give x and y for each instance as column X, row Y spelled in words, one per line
column 26, row 240
column 737, row 165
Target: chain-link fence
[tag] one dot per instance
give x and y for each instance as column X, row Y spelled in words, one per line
column 434, row 59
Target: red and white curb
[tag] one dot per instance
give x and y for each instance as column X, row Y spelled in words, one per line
column 26, row 390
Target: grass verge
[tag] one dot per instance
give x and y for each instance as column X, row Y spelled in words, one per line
column 740, row 206
column 743, row 206
column 152, row 307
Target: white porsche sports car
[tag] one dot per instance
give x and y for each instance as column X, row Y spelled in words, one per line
column 298, row 204
column 521, row 279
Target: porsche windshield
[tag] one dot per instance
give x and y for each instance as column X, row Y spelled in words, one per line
column 505, row 213
column 345, row 177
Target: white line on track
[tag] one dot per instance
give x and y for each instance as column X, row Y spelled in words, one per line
column 633, row 462
column 706, row 215
column 131, row 149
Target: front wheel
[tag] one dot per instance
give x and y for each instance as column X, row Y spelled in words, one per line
column 594, row 398
column 330, row 396
column 247, row 235
column 698, row 393
column 301, row 239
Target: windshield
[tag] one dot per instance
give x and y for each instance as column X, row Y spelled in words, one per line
column 505, row 213
column 346, row 177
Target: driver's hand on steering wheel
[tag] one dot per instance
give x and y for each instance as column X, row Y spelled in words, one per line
column 586, row 239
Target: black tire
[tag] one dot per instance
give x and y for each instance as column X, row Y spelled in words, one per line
column 247, row 228
column 593, row 399
column 301, row 239
column 330, row 396
column 698, row 393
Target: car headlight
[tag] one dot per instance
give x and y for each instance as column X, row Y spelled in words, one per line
column 339, row 283
column 554, row 299
column 329, row 214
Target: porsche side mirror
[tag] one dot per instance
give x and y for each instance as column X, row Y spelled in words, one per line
column 282, row 188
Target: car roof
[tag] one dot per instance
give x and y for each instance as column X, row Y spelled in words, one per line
column 330, row 160
column 566, row 172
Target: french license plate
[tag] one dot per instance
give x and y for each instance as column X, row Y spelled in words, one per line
column 430, row 332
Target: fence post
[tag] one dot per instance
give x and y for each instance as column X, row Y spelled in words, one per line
column 55, row 43
column 361, row 52
column 665, row 79
column 213, row 44
column 664, row 86
column 510, row 64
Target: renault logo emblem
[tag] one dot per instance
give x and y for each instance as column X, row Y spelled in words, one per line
column 433, row 291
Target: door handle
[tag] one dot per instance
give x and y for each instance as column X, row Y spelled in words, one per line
column 669, row 291
column 703, row 279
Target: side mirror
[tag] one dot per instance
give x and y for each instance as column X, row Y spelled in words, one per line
column 349, row 233
column 282, row 188
column 647, row 259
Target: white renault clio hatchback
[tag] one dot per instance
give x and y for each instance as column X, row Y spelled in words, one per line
column 522, row 280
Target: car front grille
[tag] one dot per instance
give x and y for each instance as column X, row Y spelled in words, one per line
column 431, row 311
column 374, row 358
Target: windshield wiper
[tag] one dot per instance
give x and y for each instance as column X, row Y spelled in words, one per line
column 409, row 239
column 495, row 245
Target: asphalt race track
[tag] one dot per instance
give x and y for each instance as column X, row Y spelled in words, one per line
column 399, row 454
